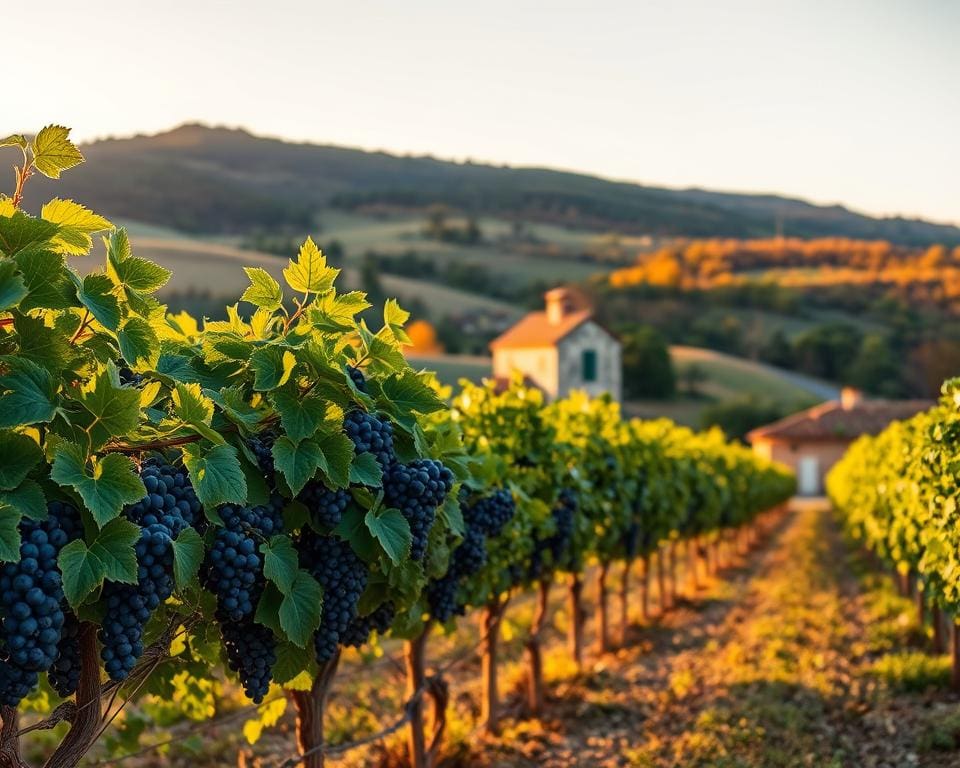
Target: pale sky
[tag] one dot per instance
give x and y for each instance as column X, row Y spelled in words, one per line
column 851, row 101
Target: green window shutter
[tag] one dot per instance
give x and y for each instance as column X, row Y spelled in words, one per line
column 589, row 365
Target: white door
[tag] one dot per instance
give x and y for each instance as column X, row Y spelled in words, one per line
column 808, row 476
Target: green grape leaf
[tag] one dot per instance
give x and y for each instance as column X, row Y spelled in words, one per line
column 268, row 608
column 14, row 140
column 41, row 344
column 393, row 318
column 96, row 294
column 27, row 498
column 300, row 609
column 47, row 280
column 353, row 529
column 76, row 224
column 139, row 344
column 280, row 562
column 365, row 470
column 18, row 455
column 333, row 313
column 337, row 457
column 215, row 473
column 27, row 393
column 9, row 534
column 298, row 461
column 187, row 556
column 114, row 547
column 271, row 367
column 407, row 393
column 264, row 291
column 105, row 484
column 196, row 409
column 392, row 530
column 310, row 273
column 12, row 286
column 235, row 406
column 300, row 416
column 20, row 231
column 115, row 409
column 53, row 152
column 82, row 572
column 291, row 662
column 138, row 275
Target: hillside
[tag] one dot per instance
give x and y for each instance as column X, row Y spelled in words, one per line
column 203, row 179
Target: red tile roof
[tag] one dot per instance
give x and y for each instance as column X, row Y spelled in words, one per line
column 831, row 421
column 535, row 330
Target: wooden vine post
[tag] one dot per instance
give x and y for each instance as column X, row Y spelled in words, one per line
column 661, row 581
column 534, row 651
column 9, row 740
column 645, row 588
column 311, row 706
column 576, row 618
column 489, row 636
column 414, row 657
column 673, row 571
column 624, row 623
column 602, row 645
column 955, row 654
column 693, row 576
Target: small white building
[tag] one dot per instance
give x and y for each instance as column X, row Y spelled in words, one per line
column 561, row 349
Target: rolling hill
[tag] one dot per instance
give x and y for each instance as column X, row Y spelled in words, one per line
column 207, row 180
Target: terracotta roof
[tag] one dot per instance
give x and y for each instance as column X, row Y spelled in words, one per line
column 831, row 421
column 535, row 330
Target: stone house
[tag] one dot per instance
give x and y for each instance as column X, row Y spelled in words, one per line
column 561, row 349
column 812, row 441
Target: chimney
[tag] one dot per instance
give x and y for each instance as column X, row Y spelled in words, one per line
column 560, row 303
column 850, row 398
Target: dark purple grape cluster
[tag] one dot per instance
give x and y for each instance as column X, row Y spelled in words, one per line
column 359, row 380
column 262, row 448
column 417, row 489
column 31, row 596
column 251, row 652
column 130, row 378
column 343, row 577
column 326, row 506
column 558, row 543
column 370, row 434
column 130, row 606
column 359, row 630
column 234, row 567
column 442, row 596
column 64, row 675
column 471, row 554
column 170, row 498
column 490, row 513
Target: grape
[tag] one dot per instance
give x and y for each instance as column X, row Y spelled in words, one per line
column 442, row 597
column 471, row 554
column 326, row 506
column 558, row 543
column 31, row 593
column 170, row 498
column 343, row 577
column 359, row 381
column 129, row 606
column 128, row 377
column 234, row 567
column 251, row 653
column 262, row 447
column 417, row 489
column 358, row 631
column 370, row 434
column 490, row 513
column 64, row 675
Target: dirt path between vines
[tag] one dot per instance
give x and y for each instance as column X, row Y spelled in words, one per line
column 774, row 669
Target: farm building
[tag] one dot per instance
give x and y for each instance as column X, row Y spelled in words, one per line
column 561, row 349
column 812, row 441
